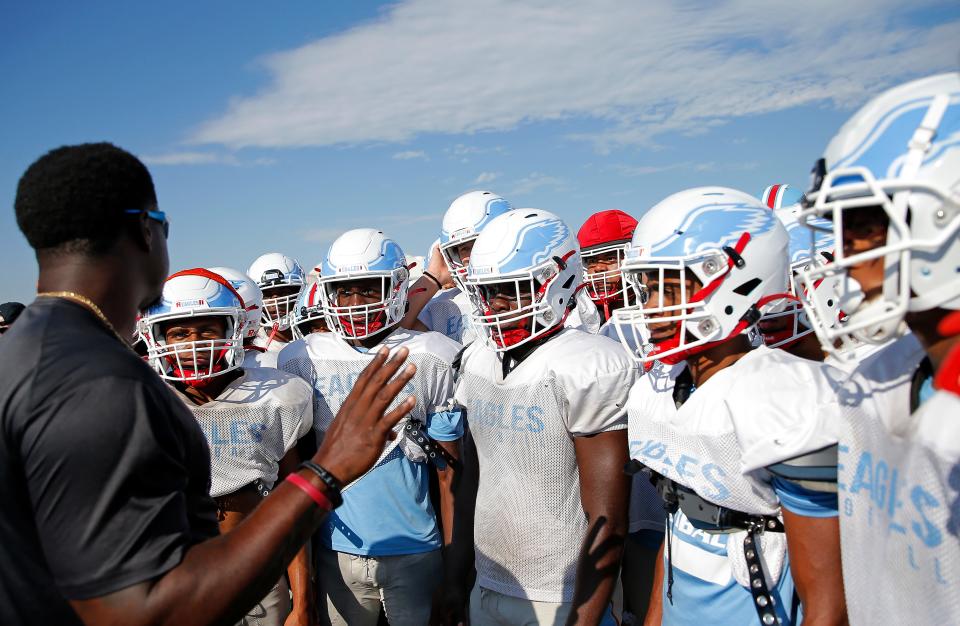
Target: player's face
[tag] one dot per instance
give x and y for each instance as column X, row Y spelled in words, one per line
column 606, row 262
column 278, row 310
column 204, row 328
column 316, row 326
column 462, row 252
column 665, row 293
column 506, row 297
column 864, row 229
column 358, row 293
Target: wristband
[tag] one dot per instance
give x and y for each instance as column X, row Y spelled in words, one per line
column 334, row 486
column 315, row 494
column 433, row 278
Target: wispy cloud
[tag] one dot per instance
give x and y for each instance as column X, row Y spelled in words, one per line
column 533, row 182
column 486, row 177
column 690, row 166
column 410, row 154
column 201, row 158
column 652, row 68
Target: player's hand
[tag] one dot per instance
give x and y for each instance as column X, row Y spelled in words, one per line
column 355, row 439
column 438, row 267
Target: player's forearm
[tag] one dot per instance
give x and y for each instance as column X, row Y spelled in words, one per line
column 654, row 615
column 597, row 571
column 418, row 295
column 459, row 553
column 446, row 480
column 300, row 586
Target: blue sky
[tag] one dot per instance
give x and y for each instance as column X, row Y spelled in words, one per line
column 274, row 128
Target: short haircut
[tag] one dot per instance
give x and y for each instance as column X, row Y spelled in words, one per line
column 73, row 198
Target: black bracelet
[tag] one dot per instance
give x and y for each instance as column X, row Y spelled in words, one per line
column 334, row 486
column 433, row 278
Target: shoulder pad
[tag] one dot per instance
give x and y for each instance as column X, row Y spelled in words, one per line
column 820, row 465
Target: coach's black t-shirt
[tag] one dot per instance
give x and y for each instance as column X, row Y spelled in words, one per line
column 104, row 474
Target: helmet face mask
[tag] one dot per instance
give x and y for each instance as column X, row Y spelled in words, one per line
column 280, row 279
column 453, row 257
column 194, row 298
column 514, row 311
column 604, row 286
column 307, row 316
column 893, row 166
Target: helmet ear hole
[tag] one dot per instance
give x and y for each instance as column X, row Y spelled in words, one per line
column 747, row 287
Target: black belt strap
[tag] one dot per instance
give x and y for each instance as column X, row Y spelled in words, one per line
column 416, row 433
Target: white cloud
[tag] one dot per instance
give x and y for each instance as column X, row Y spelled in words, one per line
column 201, row 158
column 486, row 177
column 533, row 182
column 707, row 166
column 410, row 154
column 322, row 235
column 640, row 69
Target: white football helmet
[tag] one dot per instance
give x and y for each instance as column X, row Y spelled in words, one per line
column 250, row 294
column 525, row 254
column 308, row 309
column 463, row 222
column 781, row 197
column 784, row 321
column 272, row 271
column 899, row 156
column 195, row 293
column 360, row 254
column 734, row 246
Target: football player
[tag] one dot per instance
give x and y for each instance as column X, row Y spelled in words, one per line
column 434, row 304
column 701, row 266
column 382, row 546
column 546, row 512
column 252, row 418
column 280, row 279
column 888, row 183
column 604, row 239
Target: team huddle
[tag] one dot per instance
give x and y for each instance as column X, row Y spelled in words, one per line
column 732, row 410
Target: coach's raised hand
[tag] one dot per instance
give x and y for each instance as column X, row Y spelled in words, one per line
column 363, row 425
column 219, row 580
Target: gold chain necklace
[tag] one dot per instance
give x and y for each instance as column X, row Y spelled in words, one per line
column 89, row 304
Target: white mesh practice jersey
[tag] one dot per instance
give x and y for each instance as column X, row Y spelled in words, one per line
column 331, row 365
column 257, row 419
column 899, row 499
column 448, row 313
column 260, row 358
column 768, row 407
column 529, row 522
column 651, row 398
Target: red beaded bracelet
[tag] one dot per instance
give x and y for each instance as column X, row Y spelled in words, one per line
column 315, row 494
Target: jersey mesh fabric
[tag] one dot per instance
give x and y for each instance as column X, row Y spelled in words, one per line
column 899, row 499
column 256, row 358
column 529, row 522
column 448, row 313
column 257, row 419
column 332, row 366
column 650, row 396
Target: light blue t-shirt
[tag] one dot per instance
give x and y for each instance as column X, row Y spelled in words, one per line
column 388, row 511
column 704, row 590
